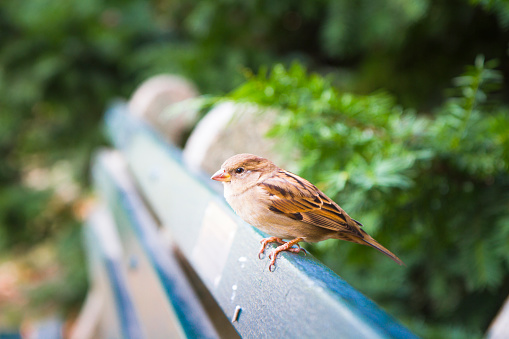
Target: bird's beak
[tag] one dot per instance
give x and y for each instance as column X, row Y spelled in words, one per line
column 221, row 175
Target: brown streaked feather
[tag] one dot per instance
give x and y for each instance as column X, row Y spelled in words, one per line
column 301, row 197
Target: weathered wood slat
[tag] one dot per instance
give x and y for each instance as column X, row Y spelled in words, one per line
column 105, row 265
column 302, row 298
column 166, row 304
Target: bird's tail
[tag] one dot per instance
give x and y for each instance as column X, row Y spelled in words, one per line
column 368, row 240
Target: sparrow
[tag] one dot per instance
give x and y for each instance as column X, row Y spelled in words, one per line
column 286, row 206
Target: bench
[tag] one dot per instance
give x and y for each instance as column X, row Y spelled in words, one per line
column 168, row 258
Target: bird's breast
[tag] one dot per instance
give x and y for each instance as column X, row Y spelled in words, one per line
column 246, row 204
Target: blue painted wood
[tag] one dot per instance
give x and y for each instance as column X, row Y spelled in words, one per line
column 131, row 327
column 135, row 224
column 103, row 257
column 302, row 298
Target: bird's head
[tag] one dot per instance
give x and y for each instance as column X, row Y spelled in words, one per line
column 243, row 168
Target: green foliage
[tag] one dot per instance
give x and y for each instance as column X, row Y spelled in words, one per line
column 345, row 32
column 434, row 189
column 475, row 133
column 59, row 66
column 499, row 7
column 368, row 45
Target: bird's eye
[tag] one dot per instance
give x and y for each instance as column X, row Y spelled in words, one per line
column 239, row 170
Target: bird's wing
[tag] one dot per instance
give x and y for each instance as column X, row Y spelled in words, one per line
column 298, row 199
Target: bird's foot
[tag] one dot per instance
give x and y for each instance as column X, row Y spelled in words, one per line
column 287, row 246
column 265, row 241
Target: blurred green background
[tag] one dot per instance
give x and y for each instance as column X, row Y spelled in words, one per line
column 399, row 108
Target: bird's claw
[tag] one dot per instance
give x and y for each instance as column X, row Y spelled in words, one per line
column 272, row 257
column 266, row 241
column 287, row 246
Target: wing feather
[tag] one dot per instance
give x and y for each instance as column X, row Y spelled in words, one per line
column 294, row 196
